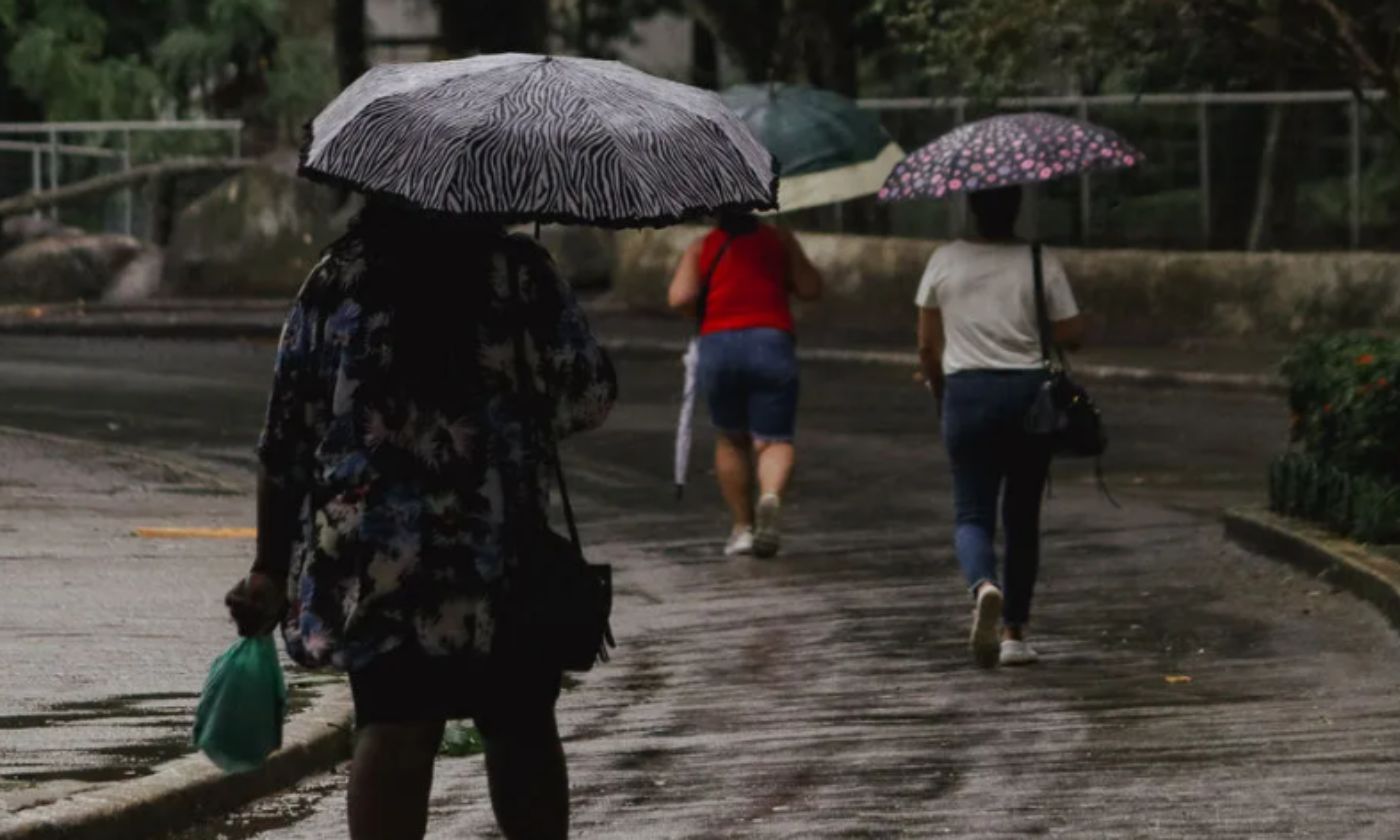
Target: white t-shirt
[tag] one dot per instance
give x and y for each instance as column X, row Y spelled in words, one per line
column 987, row 294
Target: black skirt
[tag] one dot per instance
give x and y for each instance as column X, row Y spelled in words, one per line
column 406, row 685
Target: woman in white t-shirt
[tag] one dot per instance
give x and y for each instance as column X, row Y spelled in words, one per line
column 979, row 345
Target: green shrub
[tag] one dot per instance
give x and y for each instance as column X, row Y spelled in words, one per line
column 1362, row 507
column 1344, row 470
column 1344, row 394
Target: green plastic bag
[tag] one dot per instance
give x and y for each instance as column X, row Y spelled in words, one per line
column 238, row 723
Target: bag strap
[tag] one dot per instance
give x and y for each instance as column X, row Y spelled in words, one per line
column 703, row 300
column 1048, row 350
column 532, row 395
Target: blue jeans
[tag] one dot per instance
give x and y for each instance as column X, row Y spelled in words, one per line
column 749, row 379
column 994, row 459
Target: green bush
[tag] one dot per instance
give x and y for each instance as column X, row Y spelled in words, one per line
column 1344, row 469
column 1362, row 507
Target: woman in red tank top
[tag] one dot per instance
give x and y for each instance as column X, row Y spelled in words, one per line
column 741, row 276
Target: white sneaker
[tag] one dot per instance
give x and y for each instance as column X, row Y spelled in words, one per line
column 740, row 543
column 766, row 538
column 1017, row 652
column 986, row 626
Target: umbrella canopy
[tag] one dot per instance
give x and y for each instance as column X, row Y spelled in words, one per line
column 540, row 138
column 828, row 148
column 1006, row 150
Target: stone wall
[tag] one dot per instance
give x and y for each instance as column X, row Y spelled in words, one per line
column 1135, row 296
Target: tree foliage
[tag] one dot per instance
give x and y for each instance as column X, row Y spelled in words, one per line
column 112, row 59
column 995, row 47
column 56, row 53
column 819, row 42
column 998, row 47
column 593, row 28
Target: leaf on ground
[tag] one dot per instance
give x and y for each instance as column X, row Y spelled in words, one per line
column 460, row 740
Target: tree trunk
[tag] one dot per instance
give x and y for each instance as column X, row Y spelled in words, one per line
column 491, row 26
column 704, row 59
column 350, row 47
column 1264, row 196
column 749, row 31
column 826, row 31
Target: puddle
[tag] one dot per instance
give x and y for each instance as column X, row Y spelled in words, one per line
column 268, row 816
column 116, row 762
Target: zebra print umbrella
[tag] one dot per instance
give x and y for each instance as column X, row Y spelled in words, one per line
column 539, row 138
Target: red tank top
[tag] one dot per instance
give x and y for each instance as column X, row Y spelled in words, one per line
column 748, row 288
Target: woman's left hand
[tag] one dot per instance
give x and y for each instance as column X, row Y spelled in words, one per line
column 257, row 603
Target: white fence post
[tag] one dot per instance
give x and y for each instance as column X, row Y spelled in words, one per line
column 53, row 170
column 36, row 172
column 128, row 195
column 1203, row 153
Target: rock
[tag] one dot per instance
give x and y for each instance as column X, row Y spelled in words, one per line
column 18, row 230
column 68, row 267
column 585, row 255
column 139, row 280
column 255, row 235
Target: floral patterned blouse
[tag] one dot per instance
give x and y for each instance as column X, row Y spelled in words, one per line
column 397, row 416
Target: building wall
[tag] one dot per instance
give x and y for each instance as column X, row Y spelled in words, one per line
column 1135, row 296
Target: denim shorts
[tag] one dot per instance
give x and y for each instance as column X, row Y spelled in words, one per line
column 750, row 382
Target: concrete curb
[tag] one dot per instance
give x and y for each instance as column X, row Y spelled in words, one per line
column 182, row 791
column 1367, row 575
column 1105, row 374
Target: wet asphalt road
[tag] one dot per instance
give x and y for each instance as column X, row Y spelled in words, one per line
column 828, row 693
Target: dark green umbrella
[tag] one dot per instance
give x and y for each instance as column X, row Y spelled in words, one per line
column 828, row 148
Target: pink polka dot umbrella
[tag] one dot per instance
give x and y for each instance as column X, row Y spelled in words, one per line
column 1004, row 150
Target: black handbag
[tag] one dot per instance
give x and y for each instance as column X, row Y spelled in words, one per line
column 1062, row 410
column 554, row 607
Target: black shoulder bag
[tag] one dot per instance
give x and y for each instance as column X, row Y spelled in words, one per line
column 1062, row 410
column 554, row 606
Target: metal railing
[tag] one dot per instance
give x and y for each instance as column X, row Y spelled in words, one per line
column 94, row 140
column 1205, row 105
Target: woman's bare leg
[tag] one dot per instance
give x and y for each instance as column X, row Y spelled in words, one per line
column 529, row 781
column 734, row 469
column 391, row 778
column 775, row 464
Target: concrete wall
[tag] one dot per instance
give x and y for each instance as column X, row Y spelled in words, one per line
column 1135, row 296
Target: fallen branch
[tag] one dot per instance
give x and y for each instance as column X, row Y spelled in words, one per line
column 103, row 184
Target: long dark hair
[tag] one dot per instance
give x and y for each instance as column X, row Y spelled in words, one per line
column 737, row 222
column 996, row 211
column 432, row 272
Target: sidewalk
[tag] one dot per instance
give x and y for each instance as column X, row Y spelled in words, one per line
column 106, row 637
column 1217, row 364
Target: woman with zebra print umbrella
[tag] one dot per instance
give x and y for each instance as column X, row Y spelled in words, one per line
column 400, row 459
